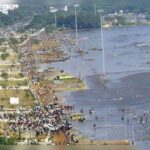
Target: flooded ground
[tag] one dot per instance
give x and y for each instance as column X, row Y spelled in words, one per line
column 126, row 50
column 121, row 105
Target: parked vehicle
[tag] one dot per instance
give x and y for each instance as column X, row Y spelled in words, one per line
column 50, row 127
column 77, row 116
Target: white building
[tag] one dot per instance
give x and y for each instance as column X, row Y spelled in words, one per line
column 4, row 8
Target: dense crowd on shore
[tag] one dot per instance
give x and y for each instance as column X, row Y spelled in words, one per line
column 41, row 119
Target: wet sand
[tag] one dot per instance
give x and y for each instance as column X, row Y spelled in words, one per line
column 87, row 147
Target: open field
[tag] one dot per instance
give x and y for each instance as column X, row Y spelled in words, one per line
column 17, row 75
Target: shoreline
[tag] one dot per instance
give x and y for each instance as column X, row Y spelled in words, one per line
column 86, row 140
column 113, row 27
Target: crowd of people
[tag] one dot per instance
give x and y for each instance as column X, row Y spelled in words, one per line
column 40, row 119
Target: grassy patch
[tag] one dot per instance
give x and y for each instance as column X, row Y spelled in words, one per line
column 8, row 66
column 19, row 75
column 26, row 98
column 13, row 83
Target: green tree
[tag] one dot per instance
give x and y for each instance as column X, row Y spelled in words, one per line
column 27, row 95
column 50, row 29
column 4, row 75
column 13, row 41
column 3, row 49
column 2, row 40
column 121, row 20
column 21, row 30
column 6, row 141
column 4, row 56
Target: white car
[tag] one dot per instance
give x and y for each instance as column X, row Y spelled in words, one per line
column 50, row 127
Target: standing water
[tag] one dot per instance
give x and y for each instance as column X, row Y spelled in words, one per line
column 121, row 105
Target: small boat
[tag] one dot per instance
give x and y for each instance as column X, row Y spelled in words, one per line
column 91, row 111
column 96, row 49
column 90, row 59
column 78, row 116
column 80, row 50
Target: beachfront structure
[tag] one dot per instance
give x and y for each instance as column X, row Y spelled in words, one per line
column 5, row 8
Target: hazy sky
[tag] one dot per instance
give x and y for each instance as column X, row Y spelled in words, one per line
column 38, row 2
column 7, row 1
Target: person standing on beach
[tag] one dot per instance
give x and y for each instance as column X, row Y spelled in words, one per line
column 91, row 139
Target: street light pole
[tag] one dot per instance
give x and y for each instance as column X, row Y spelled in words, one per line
column 95, row 9
column 76, row 23
column 54, row 10
column 125, row 130
column 102, row 40
column 56, row 19
column 105, row 129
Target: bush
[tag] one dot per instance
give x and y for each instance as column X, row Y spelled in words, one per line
column 5, row 141
column 4, row 56
column 4, row 75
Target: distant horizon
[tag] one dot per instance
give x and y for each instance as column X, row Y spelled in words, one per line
column 38, row 2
